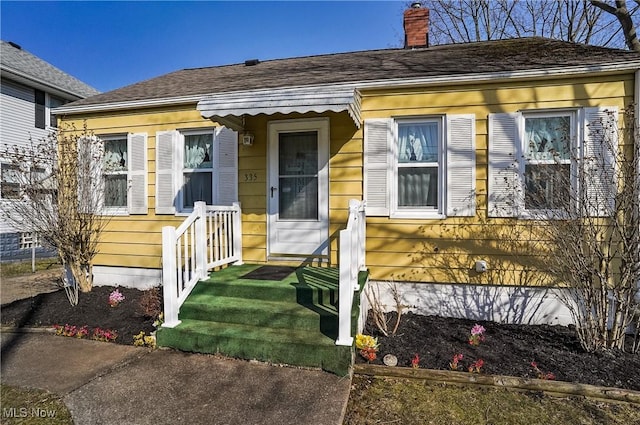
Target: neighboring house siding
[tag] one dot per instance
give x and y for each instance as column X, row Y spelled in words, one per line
column 18, row 114
column 17, row 124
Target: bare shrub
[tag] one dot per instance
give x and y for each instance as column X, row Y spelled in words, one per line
column 150, row 304
column 380, row 318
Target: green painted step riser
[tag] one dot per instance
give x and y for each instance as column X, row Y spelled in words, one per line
column 268, row 293
column 332, row 359
column 269, row 319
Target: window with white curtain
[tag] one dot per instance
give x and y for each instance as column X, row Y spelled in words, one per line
column 418, row 165
column 547, row 168
column 197, row 168
column 115, row 172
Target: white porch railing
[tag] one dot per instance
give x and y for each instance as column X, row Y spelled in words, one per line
column 211, row 236
column 352, row 261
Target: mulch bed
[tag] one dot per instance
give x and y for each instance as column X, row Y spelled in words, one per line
column 93, row 310
column 506, row 350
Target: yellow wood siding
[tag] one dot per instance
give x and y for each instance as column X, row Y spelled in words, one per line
column 446, row 250
column 430, row 250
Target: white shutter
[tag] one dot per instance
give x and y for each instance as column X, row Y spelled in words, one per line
column 225, row 166
column 506, row 197
column 461, row 165
column 166, row 157
column 137, row 160
column 89, row 170
column 378, row 158
column 599, row 160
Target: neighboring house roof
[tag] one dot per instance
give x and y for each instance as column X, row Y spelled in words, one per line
column 366, row 68
column 21, row 65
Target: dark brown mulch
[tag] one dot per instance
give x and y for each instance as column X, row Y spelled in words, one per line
column 93, row 310
column 506, row 350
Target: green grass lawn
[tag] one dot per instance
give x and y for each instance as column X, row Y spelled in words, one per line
column 378, row 400
column 395, row 401
column 24, row 267
column 31, row 407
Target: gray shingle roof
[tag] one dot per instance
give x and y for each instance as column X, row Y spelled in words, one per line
column 23, row 63
column 375, row 65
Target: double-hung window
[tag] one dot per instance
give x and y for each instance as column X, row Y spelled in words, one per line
column 537, row 161
column 420, row 167
column 115, row 170
column 549, row 145
column 197, row 169
column 113, row 173
column 195, row 165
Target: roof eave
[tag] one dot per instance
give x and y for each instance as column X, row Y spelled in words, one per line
column 610, row 68
column 38, row 83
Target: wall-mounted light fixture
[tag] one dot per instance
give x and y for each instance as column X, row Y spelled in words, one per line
column 247, row 139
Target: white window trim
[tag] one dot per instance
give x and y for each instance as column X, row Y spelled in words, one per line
column 420, row 212
column 122, row 210
column 47, row 111
column 576, row 116
column 181, row 210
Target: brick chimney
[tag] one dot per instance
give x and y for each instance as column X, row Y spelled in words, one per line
column 416, row 26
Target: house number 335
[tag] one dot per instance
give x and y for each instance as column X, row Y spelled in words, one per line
column 250, row 177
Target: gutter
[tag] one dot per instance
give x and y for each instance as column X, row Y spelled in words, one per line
column 23, row 78
column 363, row 85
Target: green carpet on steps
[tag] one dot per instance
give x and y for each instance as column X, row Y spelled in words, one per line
column 292, row 320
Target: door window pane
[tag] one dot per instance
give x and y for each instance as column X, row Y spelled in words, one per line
column 299, row 198
column 298, row 180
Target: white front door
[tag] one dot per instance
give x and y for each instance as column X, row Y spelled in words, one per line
column 298, row 188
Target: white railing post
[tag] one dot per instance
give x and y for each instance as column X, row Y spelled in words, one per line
column 351, row 262
column 362, row 232
column 345, row 290
column 237, row 233
column 201, row 239
column 169, row 277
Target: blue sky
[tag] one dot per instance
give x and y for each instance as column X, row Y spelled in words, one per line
column 113, row 44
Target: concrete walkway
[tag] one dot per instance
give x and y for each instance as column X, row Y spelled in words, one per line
column 104, row 383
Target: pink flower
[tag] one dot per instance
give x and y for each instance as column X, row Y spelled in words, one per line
column 542, row 375
column 415, row 361
column 456, row 359
column 476, row 366
column 477, row 335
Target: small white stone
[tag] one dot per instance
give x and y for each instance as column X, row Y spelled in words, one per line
column 390, row 360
